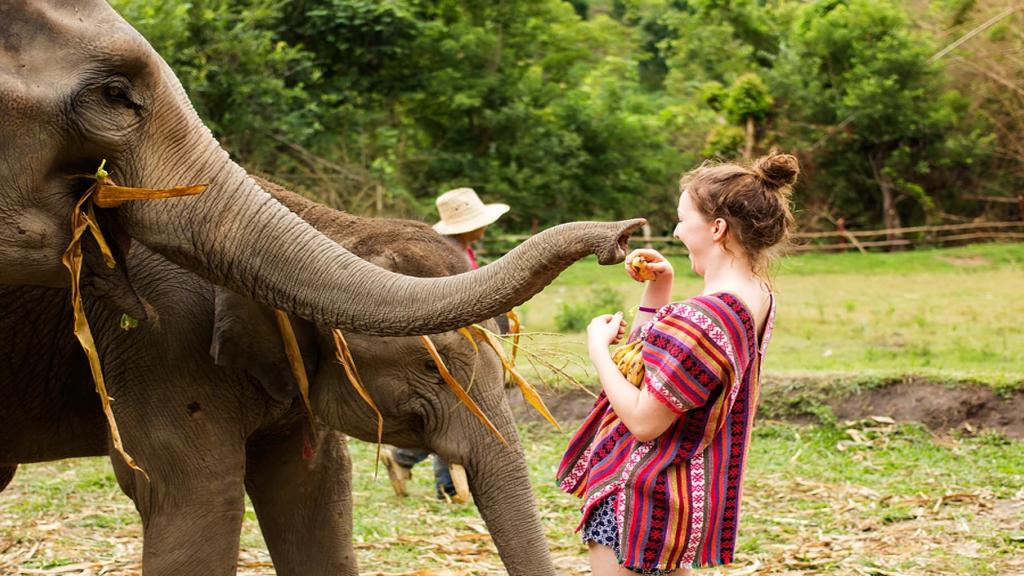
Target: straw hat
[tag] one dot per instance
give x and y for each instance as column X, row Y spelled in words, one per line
column 462, row 211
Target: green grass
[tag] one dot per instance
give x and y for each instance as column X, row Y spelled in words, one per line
column 949, row 314
column 849, row 499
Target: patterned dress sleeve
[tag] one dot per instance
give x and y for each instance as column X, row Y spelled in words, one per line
column 686, row 368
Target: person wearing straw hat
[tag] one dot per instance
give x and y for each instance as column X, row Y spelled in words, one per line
column 464, row 218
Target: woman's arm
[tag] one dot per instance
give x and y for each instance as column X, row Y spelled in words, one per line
column 645, row 416
column 657, row 292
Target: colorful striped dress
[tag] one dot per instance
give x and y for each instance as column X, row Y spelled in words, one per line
column 678, row 496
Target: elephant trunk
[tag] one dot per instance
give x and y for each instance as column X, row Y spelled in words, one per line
column 236, row 235
column 509, row 508
column 499, row 479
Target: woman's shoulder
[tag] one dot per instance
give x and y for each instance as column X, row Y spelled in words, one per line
column 716, row 306
column 721, row 316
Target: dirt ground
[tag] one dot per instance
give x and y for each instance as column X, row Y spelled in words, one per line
column 938, row 407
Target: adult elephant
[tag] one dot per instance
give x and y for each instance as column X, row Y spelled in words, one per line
column 206, row 404
column 79, row 85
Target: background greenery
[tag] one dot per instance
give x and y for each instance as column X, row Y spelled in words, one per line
column 591, row 109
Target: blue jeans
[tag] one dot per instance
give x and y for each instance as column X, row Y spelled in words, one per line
column 442, row 476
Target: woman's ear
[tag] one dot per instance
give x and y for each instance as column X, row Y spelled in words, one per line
column 718, row 229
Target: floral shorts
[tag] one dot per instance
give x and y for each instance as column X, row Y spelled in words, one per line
column 602, row 528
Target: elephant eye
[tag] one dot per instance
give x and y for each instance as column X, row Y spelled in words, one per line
column 430, row 365
column 118, row 93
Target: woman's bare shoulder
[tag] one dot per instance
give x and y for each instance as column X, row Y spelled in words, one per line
column 758, row 301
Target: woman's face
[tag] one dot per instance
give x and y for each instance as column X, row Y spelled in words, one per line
column 695, row 233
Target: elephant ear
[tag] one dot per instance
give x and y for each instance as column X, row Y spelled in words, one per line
column 246, row 335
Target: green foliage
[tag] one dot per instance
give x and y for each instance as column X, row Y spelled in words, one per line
column 725, row 141
column 714, row 95
column 861, row 65
column 575, row 317
column 234, row 69
column 572, row 110
column 582, row 8
column 748, row 98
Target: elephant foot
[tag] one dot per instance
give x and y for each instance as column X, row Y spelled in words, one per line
column 6, row 475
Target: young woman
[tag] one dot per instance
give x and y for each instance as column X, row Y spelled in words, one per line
column 660, row 467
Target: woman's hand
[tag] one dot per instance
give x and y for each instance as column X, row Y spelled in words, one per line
column 655, row 263
column 604, row 331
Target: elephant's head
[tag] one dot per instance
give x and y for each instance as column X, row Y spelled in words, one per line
column 79, row 85
column 418, row 408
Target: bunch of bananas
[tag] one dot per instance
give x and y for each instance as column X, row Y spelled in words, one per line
column 630, row 361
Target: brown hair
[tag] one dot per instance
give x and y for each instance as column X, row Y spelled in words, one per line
column 753, row 198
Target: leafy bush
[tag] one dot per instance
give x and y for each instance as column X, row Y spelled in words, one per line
column 576, row 316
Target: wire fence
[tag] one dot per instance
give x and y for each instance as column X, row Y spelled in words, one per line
column 839, row 240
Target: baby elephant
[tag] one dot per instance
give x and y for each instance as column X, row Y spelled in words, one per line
column 418, row 408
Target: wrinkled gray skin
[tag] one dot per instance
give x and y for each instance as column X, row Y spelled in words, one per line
column 207, row 432
column 78, row 85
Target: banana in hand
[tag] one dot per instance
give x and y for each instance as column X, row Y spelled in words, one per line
column 635, row 371
column 621, row 351
column 640, row 267
column 629, row 359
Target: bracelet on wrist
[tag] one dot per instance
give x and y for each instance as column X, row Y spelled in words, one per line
column 647, row 309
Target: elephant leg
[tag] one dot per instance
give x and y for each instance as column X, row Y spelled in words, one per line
column 6, row 475
column 193, row 504
column 304, row 507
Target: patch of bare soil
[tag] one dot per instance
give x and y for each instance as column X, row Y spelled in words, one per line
column 938, row 407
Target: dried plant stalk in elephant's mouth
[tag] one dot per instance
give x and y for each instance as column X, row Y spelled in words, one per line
column 458, row 390
column 105, row 194
column 529, row 392
column 345, row 357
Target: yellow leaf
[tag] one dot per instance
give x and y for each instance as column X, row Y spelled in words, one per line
column 457, row 389
column 468, row 336
column 291, row 349
column 345, row 357
column 105, row 194
column 90, row 218
column 514, row 330
column 109, row 196
column 529, row 392
column 72, row 259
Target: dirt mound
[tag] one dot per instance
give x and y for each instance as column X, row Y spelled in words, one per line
column 939, row 407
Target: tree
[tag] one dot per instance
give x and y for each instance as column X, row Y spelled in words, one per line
column 894, row 130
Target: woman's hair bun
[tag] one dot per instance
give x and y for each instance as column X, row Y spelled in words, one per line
column 777, row 170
